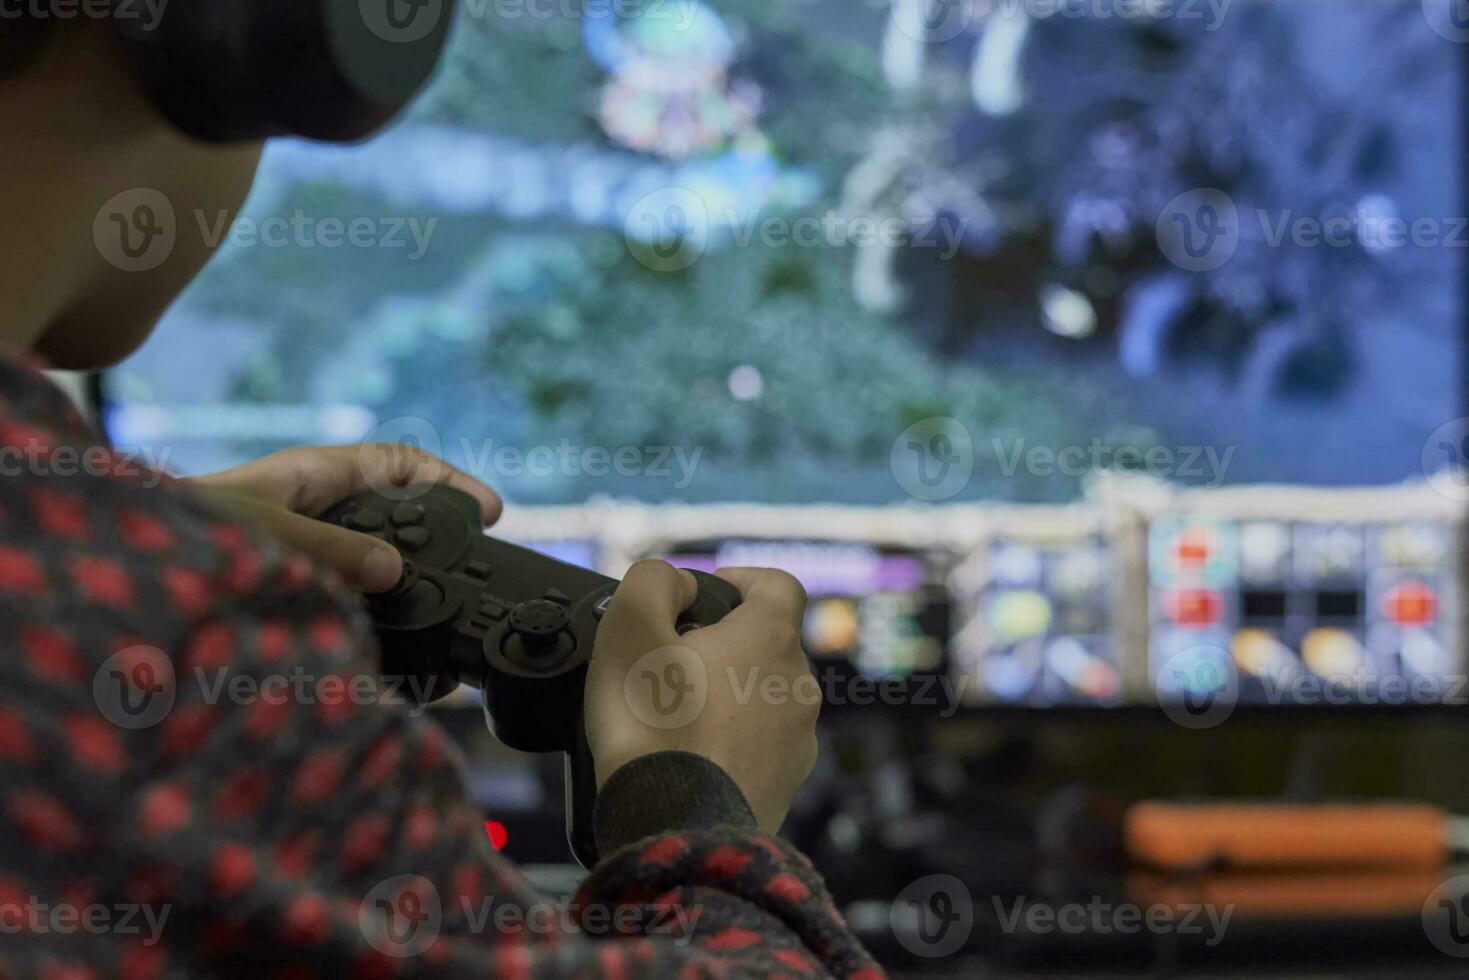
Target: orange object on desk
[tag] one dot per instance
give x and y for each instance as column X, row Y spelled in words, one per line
column 1182, row 836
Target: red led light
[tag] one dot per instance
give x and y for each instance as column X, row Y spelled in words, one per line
column 498, row 835
column 1411, row 604
column 1193, row 607
column 1194, row 548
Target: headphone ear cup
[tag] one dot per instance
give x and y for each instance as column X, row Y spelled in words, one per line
column 235, row 70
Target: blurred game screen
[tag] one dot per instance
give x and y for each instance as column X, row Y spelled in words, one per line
column 887, row 252
column 882, row 612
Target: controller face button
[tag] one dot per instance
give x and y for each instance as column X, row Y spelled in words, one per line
column 491, row 608
column 408, row 514
column 364, row 519
column 478, row 570
column 556, row 595
column 412, row 538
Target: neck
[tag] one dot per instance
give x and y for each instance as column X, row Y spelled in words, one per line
column 71, row 122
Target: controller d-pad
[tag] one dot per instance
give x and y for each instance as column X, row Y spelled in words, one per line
column 364, row 519
column 408, row 514
column 412, row 538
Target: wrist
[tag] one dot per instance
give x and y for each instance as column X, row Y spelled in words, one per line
column 663, row 792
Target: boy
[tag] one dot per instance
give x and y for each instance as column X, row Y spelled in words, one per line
column 306, row 836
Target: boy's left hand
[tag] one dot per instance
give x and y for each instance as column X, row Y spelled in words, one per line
column 283, row 492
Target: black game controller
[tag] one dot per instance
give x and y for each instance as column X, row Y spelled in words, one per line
column 514, row 623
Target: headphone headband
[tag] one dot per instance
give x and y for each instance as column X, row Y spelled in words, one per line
column 233, row 70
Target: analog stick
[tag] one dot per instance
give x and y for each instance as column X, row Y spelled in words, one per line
column 537, row 633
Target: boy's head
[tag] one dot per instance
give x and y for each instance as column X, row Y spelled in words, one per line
column 100, row 119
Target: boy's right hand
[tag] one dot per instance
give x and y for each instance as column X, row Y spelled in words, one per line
column 740, row 692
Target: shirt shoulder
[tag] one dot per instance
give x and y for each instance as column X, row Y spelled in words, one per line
column 100, row 553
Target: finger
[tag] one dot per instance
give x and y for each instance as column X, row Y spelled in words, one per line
column 383, row 464
column 311, row 479
column 767, row 594
column 648, row 602
column 364, row 562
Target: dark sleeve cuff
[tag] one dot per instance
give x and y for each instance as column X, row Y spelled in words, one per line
column 663, row 792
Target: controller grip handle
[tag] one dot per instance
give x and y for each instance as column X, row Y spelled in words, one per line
column 581, row 798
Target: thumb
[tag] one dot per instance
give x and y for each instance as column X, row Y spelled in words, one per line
column 364, row 562
column 647, row 604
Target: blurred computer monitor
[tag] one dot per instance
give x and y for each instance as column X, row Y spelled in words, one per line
column 1088, row 353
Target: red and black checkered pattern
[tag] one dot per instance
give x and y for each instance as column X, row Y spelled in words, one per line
column 261, row 824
